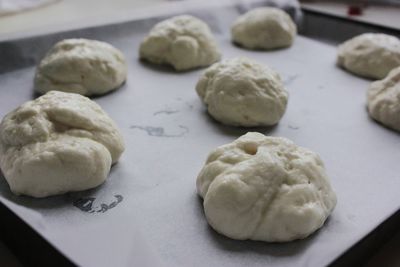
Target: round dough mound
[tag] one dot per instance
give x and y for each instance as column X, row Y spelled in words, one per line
column 58, row 143
column 371, row 55
column 264, row 28
column 265, row 188
column 241, row 92
column 81, row 66
column 384, row 100
column 185, row 42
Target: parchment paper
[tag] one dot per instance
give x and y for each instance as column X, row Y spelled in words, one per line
column 148, row 214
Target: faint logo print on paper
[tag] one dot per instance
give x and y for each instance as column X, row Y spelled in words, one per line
column 160, row 132
column 87, row 204
column 290, row 79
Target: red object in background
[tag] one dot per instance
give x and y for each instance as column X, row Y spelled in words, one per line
column 354, row 11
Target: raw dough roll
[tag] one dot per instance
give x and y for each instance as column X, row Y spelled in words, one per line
column 371, row 55
column 384, row 100
column 265, row 188
column 264, row 28
column 184, row 42
column 241, row 92
column 81, row 66
column 57, row 143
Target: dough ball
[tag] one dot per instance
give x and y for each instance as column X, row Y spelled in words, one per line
column 241, row 92
column 264, row 28
column 81, row 66
column 185, row 42
column 58, row 143
column 265, row 188
column 371, row 55
column 384, row 100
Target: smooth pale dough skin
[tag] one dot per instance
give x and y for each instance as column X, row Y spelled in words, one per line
column 384, row 100
column 265, row 188
column 264, row 28
column 81, row 66
column 241, row 92
column 184, row 42
column 370, row 55
column 58, row 143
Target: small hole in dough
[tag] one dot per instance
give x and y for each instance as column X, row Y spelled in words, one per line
column 250, row 148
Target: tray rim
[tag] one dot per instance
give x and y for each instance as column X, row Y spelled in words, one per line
column 57, row 257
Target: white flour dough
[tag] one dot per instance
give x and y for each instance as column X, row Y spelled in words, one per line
column 264, row 28
column 81, row 66
column 58, row 143
column 371, row 55
column 185, row 42
column 384, row 100
column 241, row 92
column 265, row 188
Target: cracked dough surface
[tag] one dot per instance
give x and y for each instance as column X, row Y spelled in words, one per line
column 184, row 42
column 81, row 66
column 242, row 92
column 384, row 100
column 57, row 143
column 371, row 55
column 265, row 188
column 264, row 28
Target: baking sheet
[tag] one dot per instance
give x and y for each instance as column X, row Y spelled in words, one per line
column 148, row 214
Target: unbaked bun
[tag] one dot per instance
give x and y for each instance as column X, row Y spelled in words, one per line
column 371, row 55
column 384, row 100
column 184, row 42
column 264, row 28
column 57, row 143
column 242, row 92
column 265, row 188
column 81, row 66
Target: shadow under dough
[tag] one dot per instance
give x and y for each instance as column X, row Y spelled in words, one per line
column 50, row 202
column 272, row 249
column 237, row 131
column 123, row 86
column 165, row 68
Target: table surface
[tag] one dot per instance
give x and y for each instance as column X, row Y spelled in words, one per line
column 386, row 16
column 73, row 12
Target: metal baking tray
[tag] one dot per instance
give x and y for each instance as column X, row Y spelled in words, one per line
column 147, row 213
